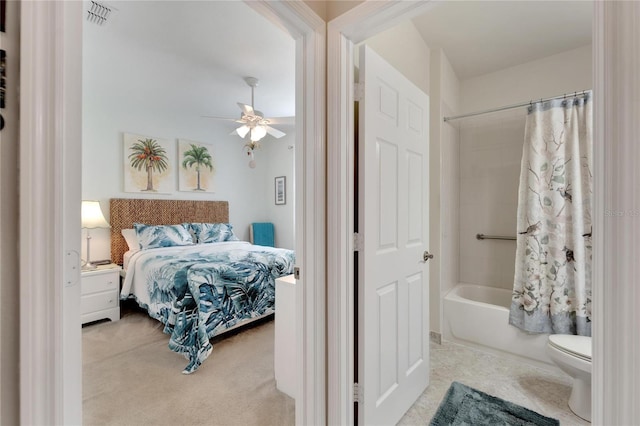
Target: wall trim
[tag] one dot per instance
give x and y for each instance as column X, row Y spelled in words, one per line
column 616, row 229
column 309, row 31
column 310, row 170
column 50, row 140
column 597, row 330
column 340, row 215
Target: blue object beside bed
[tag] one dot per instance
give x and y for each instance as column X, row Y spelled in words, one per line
column 263, row 234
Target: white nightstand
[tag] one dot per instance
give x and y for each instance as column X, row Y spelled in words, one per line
column 100, row 295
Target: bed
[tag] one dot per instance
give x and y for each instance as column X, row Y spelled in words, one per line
column 196, row 290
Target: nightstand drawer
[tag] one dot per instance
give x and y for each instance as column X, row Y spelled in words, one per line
column 100, row 294
column 101, row 282
column 99, row 301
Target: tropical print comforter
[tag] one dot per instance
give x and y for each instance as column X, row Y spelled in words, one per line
column 201, row 290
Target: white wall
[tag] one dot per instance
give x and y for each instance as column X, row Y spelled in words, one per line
column 444, row 185
column 450, row 205
column 394, row 46
column 551, row 76
column 280, row 160
column 128, row 88
column 490, row 154
column 327, row 10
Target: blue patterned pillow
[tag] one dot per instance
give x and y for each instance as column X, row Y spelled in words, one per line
column 153, row 236
column 213, row 232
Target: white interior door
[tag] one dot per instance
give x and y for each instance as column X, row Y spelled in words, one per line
column 393, row 287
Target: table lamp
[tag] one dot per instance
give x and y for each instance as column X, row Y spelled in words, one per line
column 92, row 218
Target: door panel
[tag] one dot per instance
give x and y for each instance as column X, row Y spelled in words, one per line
column 387, row 196
column 393, row 219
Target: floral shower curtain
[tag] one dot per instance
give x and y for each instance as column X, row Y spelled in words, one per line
column 552, row 284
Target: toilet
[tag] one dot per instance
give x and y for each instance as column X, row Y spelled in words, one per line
column 572, row 354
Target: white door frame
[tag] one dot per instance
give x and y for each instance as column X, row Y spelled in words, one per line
column 614, row 371
column 358, row 24
column 50, row 187
column 309, row 31
column 616, row 341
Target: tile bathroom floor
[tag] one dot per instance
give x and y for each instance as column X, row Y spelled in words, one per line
column 543, row 391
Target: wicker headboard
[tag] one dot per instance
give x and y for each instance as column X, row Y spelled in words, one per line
column 123, row 212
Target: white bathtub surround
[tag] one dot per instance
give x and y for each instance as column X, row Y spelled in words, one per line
column 552, row 284
column 479, row 316
column 490, row 155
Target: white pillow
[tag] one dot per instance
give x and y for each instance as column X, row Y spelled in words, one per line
column 131, row 238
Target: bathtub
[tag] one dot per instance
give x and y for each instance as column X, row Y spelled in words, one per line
column 479, row 315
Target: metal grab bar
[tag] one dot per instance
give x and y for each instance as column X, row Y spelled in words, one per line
column 493, row 237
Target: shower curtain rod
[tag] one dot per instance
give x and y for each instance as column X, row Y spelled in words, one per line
column 471, row 114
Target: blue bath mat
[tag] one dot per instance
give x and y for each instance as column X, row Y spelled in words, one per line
column 463, row 405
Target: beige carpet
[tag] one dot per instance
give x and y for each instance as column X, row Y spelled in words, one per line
column 132, row 378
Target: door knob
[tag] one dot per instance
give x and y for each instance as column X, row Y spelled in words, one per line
column 426, row 256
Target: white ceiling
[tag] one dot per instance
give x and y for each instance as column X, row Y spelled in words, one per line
column 480, row 37
column 228, row 37
column 235, row 41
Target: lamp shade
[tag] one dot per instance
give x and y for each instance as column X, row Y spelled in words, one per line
column 92, row 216
column 257, row 133
column 242, row 131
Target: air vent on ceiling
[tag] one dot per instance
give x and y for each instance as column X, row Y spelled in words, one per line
column 99, row 13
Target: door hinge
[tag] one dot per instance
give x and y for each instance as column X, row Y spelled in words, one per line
column 358, row 241
column 72, row 268
column 296, row 273
column 358, row 92
column 357, row 393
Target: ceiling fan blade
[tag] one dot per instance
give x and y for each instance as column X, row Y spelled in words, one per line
column 246, row 109
column 219, row 118
column 287, row 121
column 274, row 132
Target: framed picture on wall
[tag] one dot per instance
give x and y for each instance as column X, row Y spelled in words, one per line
column 148, row 164
column 196, row 168
column 281, row 190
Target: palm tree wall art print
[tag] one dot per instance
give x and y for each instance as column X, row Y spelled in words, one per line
column 197, row 167
column 147, row 164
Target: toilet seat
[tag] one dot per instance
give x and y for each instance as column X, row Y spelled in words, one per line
column 576, row 346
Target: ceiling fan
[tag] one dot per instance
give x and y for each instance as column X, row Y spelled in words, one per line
column 253, row 122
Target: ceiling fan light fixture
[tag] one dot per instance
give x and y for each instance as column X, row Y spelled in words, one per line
column 252, row 124
column 242, row 131
column 258, row 132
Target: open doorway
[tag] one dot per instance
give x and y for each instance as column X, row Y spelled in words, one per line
column 61, row 368
column 445, row 204
column 181, row 85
